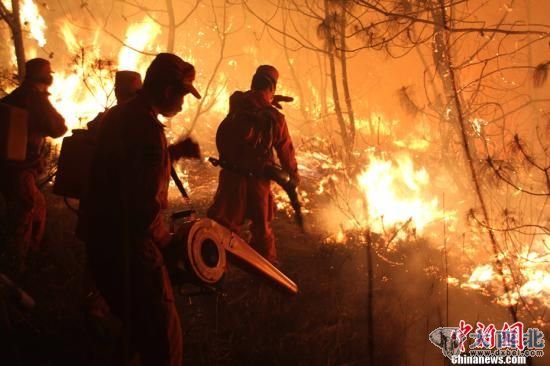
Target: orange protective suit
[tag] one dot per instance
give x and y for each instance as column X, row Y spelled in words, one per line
column 246, row 138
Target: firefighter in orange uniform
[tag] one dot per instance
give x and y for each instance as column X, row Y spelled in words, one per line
column 127, row 190
column 26, row 204
column 246, row 139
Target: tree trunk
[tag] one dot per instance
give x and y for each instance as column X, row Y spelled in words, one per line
column 347, row 94
column 456, row 105
column 16, row 31
column 334, row 82
column 446, row 108
column 321, row 61
column 297, row 82
column 171, row 42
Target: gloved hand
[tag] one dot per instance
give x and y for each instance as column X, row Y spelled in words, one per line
column 295, row 177
column 277, row 99
column 187, row 148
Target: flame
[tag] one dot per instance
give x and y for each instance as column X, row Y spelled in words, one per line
column 139, row 36
column 413, row 144
column 481, row 274
column 70, row 38
column 535, row 270
column 531, row 282
column 395, row 193
column 376, row 125
column 31, row 18
column 86, row 87
column 83, row 89
column 7, row 4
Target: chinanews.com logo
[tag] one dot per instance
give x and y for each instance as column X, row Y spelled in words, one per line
column 487, row 345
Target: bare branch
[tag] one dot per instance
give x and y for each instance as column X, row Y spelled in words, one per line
column 6, row 15
column 508, row 181
column 197, row 2
column 115, row 37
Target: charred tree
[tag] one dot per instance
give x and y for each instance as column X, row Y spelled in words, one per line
column 171, row 41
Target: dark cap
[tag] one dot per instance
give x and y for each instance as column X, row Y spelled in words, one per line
column 167, row 67
column 128, row 80
column 269, row 72
column 37, row 69
column 127, row 84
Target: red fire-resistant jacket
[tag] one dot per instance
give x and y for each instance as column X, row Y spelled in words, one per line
column 241, row 143
column 44, row 121
column 129, row 176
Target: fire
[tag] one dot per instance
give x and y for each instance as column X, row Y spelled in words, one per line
column 31, row 18
column 376, row 125
column 86, row 88
column 481, row 275
column 139, row 36
column 535, row 269
column 531, row 280
column 381, row 195
column 395, row 193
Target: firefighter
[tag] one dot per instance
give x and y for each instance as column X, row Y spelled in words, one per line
column 26, row 204
column 127, row 190
column 127, row 84
column 246, row 139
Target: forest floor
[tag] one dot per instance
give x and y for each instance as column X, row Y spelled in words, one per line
column 247, row 320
